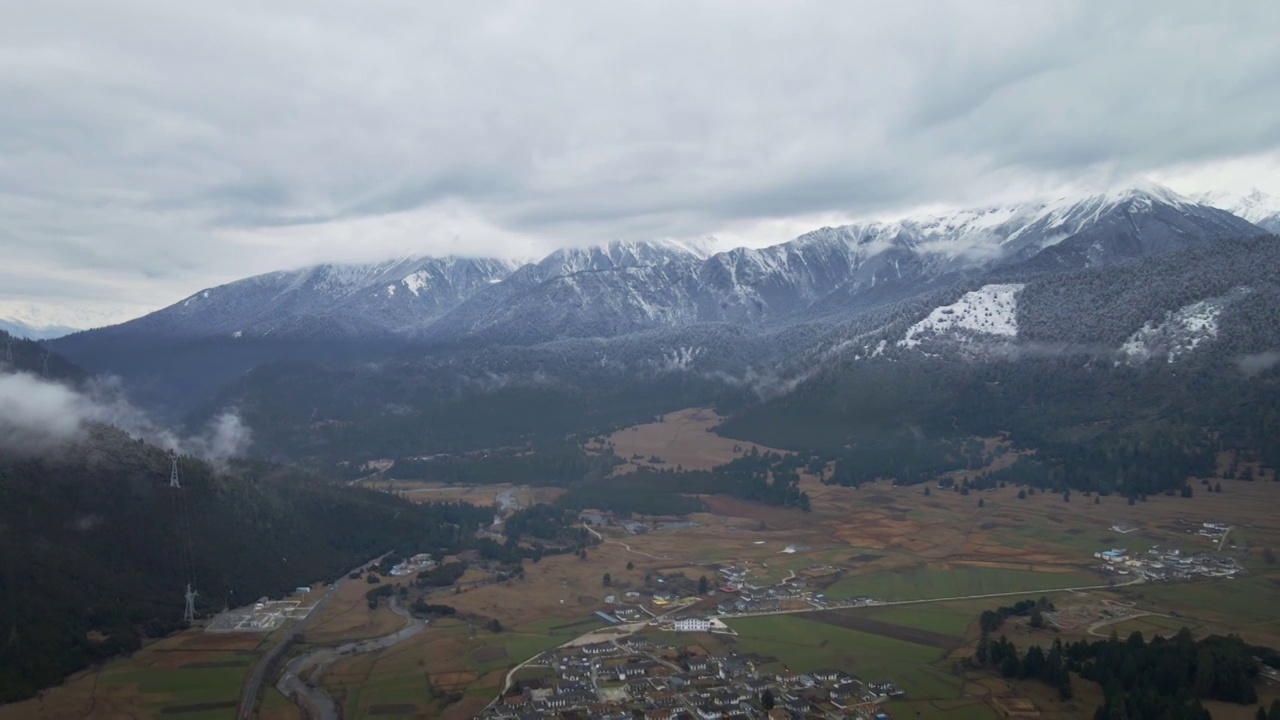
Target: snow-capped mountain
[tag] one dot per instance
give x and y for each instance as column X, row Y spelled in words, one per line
column 392, row 298
column 1259, row 208
column 600, row 291
column 43, row 322
column 830, row 272
column 629, row 286
column 825, row 277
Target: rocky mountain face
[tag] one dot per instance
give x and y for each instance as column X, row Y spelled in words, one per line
column 831, row 277
column 625, row 287
column 390, row 298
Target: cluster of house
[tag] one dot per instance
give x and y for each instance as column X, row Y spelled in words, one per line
column 1213, row 531
column 636, row 678
column 417, row 563
column 1160, row 563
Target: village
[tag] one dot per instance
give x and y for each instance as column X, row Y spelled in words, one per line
column 639, row 677
column 1162, row 564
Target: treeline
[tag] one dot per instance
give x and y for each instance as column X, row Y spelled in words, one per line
column 1165, row 679
column 991, row 620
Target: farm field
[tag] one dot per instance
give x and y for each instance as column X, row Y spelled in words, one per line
column 889, row 543
column 683, row 438
column 925, row 583
column 802, row 644
column 450, row 659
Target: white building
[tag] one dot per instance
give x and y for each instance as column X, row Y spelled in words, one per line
column 693, row 625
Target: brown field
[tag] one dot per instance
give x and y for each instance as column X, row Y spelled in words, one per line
column 680, row 438
column 347, row 616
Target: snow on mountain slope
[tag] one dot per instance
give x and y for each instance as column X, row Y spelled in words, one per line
column 990, row 311
column 629, row 286
column 1257, row 207
column 46, row 321
column 1179, row 333
column 396, row 297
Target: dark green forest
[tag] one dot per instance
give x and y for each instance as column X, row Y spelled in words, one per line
column 1164, row 679
column 92, row 546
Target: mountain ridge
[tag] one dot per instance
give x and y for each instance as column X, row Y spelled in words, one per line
column 361, row 313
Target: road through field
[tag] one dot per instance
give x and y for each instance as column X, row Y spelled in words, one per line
column 957, row 598
column 625, row 546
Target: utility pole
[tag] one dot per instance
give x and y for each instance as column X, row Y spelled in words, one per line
column 173, row 476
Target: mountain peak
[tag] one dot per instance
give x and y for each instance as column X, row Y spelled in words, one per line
column 1256, row 206
column 1147, row 190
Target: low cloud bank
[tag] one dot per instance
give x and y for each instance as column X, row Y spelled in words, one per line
column 38, row 416
column 1258, row 363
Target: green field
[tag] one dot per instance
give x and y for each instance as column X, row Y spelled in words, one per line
column 920, row 583
column 1249, row 600
column 804, row 645
column 184, row 686
column 940, row 618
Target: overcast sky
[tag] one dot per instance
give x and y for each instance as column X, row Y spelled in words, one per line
column 150, row 148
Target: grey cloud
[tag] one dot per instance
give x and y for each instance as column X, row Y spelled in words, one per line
column 155, row 148
column 1258, row 363
column 38, row 416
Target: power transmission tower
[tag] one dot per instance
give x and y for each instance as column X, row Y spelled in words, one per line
column 189, row 614
column 184, row 543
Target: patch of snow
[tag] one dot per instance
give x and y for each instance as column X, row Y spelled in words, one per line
column 418, row 282
column 1179, row 333
column 989, row 310
column 680, row 358
column 391, row 291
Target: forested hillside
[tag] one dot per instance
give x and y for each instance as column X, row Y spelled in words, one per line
column 91, row 548
column 1099, row 413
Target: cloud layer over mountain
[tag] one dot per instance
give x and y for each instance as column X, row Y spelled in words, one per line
column 154, row 148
